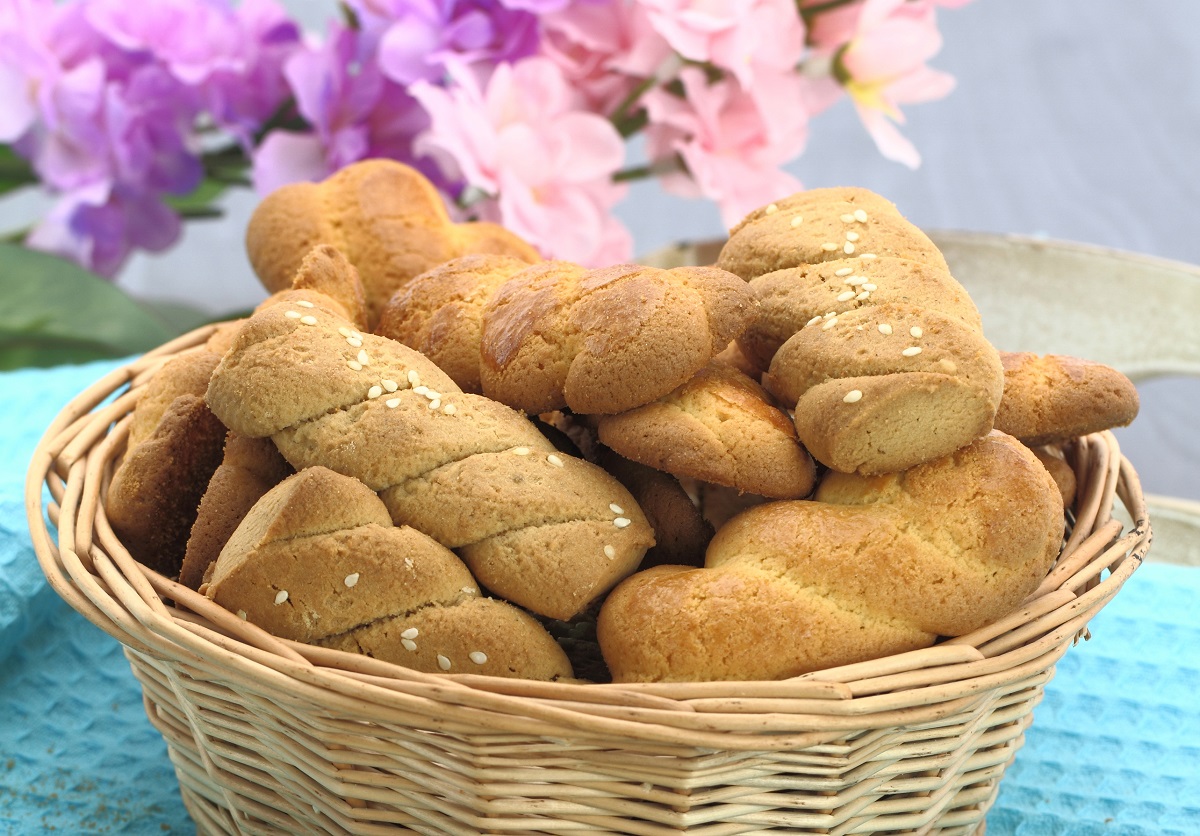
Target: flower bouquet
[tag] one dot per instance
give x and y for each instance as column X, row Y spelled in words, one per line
column 135, row 117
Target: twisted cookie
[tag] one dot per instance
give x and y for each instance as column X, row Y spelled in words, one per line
column 540, row 528
column 318, row 560
column 863, row 331
column 877, row 565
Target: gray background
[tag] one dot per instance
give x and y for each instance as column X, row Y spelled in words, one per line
column 1074, row 119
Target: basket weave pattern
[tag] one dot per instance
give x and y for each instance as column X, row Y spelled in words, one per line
column 271, row 736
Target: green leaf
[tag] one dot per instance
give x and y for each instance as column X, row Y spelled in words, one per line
column 14, row 171
column 56, row 312
column 198, row 203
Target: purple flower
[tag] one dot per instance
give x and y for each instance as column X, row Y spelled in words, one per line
column 418, row 39
column 353, row 110
column 108, row 100
column 100, row 226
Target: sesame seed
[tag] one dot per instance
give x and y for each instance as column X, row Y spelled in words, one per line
column 408, row 564
column 241, row 614
column 829, row 323
column 866, row 294
column 622, row 522
column 851, row 236
column 911, row 351
column 860, row 216
column 916, row 331
column 390, row 385
column 304, row 303
column 884, row 328
column 292, row 314
column 846, row 296
column 363, row 358
column 435, row 403
column 421, row 390
column 468, row 590
column 847, row 218
column 449, row 409
column 345, row 332
column 443, row 662
column 610, row 552
column 354, row 342
column 355, row 365
column 870, row 286
column 555, row 460
column 853, row 396
column 432, row 395
column 855, row 281
column 615, row 508
column 772, row 209
column 815, row 320
column 308, row 320
column 410, row 633
column 521, row 451
column 351, row 580
column 848, row 249
column 868, row 255
column 844, row 271
column 830, row 314
column 414, row 379
column 408, row 644
column 796, row 221
column 392, row 403
column 281, row 596
column 477, row 656
column 829, row 246
column 374, row 391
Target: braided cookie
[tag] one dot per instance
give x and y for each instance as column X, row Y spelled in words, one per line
column 540, row 528
column 864, row 331
column 876, row 566
column 719, row 427
column 318, row 560
column 386, row 217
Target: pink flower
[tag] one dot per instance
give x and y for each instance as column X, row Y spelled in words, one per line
column 736, row 35
column 884, row 68
column 604, row 50
column 733, row 142
column 544, row 164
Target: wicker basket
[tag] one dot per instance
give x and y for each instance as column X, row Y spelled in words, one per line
column 272, row 736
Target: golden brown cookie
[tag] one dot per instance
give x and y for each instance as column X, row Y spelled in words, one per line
column 386, row 218
column 249, row 468
column 535, row 525
column 876, row 566
column 604, row 341
column 791, row 298
column 440, row 313
column 174, row 446
column 823, row 225
column 885, row 388
column 318, row 560
column 1053, row 398
column 1060, row 471
column 719, row 427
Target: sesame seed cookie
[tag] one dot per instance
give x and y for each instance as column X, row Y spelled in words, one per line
column 888, row 387
column 371, row 408
column 318, row 560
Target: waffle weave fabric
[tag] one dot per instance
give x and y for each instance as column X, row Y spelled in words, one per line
column 1114, row 748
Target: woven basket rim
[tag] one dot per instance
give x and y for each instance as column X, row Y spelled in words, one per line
column 92, row 571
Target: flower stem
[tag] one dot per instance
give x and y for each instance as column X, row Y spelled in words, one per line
column 626, row 123
column 669, row 165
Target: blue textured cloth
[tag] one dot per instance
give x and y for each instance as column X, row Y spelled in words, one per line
column 1114, row 748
